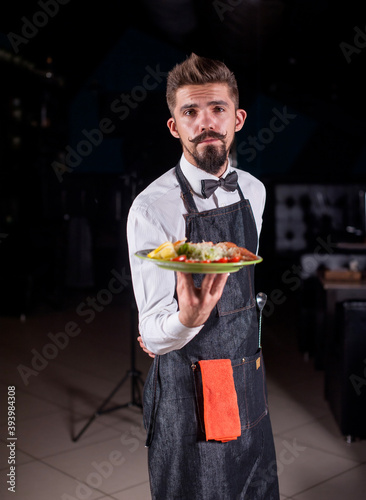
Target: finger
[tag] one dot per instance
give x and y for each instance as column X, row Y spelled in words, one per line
column 142, row 345
column 219, row 283
column 184, row 280
column 213, row 281
column 184, row 277
column 207, row 282
column 145, row 349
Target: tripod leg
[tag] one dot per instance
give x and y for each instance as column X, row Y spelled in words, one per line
column 99, row 411
column 135, row 389
column 135, row 378
column 133, row 373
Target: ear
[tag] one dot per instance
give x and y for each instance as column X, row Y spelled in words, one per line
column 173, row 128
column 240, row 119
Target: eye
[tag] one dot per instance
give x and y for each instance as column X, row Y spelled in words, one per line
column 189, row 112
column 219, row 109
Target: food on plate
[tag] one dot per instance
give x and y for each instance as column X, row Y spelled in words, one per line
column 165, row 251
column 205, row 252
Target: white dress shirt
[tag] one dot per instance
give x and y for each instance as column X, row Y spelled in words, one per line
column 156, row 216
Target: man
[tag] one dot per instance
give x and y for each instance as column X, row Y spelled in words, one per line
column 190, row 319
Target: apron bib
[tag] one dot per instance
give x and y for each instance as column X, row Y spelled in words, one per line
column 182, row 464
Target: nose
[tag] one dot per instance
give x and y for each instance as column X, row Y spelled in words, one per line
column 206, row 122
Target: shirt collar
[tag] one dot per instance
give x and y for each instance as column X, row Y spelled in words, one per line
column 194, row 175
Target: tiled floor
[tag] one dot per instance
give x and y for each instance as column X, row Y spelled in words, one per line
column 56, row 394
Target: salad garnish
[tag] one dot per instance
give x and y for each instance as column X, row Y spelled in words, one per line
column 204, row 252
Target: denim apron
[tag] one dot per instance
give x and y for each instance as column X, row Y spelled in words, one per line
column 182, row 464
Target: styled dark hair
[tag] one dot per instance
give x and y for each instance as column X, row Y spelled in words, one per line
column 197, row 70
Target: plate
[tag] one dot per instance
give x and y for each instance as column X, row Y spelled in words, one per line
column 197, row 267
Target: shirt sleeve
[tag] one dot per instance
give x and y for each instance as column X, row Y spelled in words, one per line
column 154, row 287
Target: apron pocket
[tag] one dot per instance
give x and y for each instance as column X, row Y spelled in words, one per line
column 198, row 389
column 251, row 390
column 221, row 411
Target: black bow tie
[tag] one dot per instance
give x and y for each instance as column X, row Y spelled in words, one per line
column 209, row 186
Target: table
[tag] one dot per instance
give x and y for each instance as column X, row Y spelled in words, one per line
column 345, row 354
column 339, row 291
column 329, row 294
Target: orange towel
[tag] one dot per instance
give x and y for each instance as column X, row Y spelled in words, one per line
column 220, row 402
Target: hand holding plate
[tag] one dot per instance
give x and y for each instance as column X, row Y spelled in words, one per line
column 195, row 304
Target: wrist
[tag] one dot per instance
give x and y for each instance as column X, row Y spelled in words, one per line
column 191, row 322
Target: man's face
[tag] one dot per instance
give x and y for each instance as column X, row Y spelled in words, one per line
column 205, row 121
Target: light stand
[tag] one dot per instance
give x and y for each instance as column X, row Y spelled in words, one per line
column 132, row 373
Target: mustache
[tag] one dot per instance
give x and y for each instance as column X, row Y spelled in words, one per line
column 207, row 135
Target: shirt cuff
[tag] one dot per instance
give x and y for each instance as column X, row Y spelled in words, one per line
column 180, row 332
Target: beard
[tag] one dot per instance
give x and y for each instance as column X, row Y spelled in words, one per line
column 213, row 157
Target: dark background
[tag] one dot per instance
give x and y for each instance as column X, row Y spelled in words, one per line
column 64, row 64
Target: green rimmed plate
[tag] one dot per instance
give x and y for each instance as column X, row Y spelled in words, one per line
column 197, row 267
